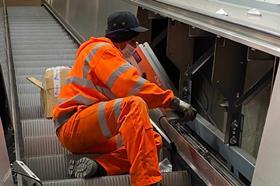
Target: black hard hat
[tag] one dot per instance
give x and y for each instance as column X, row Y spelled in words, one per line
column 122, row 26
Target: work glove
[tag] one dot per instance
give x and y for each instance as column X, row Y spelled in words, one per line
column 185, row 110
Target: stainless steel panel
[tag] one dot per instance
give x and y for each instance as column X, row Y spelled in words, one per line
column 237, row 12
column 268, row 164
column 89, row 17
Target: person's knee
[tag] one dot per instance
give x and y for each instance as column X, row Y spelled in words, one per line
column 137, row 102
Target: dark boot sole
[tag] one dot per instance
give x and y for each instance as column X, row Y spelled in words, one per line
column 82, row 168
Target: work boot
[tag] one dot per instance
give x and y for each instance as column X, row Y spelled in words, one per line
column 85, row 168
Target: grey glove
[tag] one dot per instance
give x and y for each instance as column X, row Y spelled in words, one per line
column 185, row 110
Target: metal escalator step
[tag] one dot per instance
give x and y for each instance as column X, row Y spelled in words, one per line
column 37, row 127
column 43, row 145
column 33, row 22
column 30, row 71
column 43, row 57
column 35, row 29
column 179, row 178
column 52, row 167
column 39, row 38
column 21, row 32
column 31, row 112
column 30, row 106
column 45, row 63
column 29, row 100
column 23, row 80
column 50, row 46
column 27, row 89
column 44, row 51
column 43, row 27
column 40, row 42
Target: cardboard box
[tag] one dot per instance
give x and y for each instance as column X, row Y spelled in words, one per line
column 53, row 80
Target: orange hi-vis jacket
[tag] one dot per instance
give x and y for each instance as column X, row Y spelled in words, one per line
column 100, row 73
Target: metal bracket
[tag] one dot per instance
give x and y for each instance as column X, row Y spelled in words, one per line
column 254, row 89
column 186, row 95
column 19, row 167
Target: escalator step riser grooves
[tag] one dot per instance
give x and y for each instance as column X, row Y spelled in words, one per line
column 27, row 89
column 23, row 80
column 44, row 52
column 49, row 167
column 37, row 127
column 49, row 63
column 43, row 145
column 172, row 179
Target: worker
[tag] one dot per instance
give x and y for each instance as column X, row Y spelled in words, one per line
column 104, row 108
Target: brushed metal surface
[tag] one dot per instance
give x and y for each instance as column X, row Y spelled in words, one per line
column 89, row 17
column 267, row 165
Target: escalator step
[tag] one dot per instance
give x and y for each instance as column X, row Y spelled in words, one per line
column 37, row 127
column 22, row 79
column 43, row 145
column 52, row 167
column 46, row 63
column 27, row 89
column 43, row 51
column 50, row 46
column 46, row 42
column 43, row 57
column 179, row 178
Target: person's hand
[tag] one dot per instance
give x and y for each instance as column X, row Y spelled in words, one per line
column 185, row 110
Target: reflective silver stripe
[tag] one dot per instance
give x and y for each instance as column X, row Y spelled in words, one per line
column 89, row 84
column 119, row 140
column 62, row 119
column 102, row 121
column 79, row 99
column 83, row 100
column 86, row 68
column 88, row 59
column 106, row 92
column 138, row 86
column 117, row 108
column 81, row 82
column 114, row 76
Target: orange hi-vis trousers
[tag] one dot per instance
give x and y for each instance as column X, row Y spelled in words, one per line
column 102, row 127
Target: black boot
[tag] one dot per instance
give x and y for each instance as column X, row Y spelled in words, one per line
column 85, row 168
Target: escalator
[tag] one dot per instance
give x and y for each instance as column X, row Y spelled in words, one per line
column 38, row 42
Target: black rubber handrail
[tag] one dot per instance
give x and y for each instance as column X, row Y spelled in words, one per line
column 13, row 102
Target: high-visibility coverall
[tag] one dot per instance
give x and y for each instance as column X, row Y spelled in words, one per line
column 104, row 109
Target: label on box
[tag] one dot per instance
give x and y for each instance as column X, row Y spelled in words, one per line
column 56, row 81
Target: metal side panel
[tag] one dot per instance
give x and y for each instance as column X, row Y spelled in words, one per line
column 267, row 165
column 179, row 178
